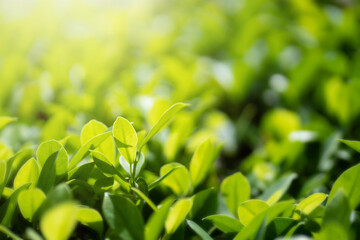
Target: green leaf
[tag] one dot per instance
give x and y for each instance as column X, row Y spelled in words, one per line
column 7, row 209
column 353, row 144
column 199, row 231
column 159, row 180
column 125, row 138
column 5, row 121
column 333, row 231
column 178, row 180
column 117, row 211
column 225, row 223
column 270, row 214
column 46, row 149
column 279, row 227
column 29, row 202
column 84, row 149
column 103, row 163
column 141, row 136
column 163, row 121
column 307, row 205
column 249, row 209
column 90, row 218
column 235, row 189
column 349, row 182
column 199, row 201
column 16, row 161
column 48, row 173
column 338, row 209
column 203, row 160
column 177, row 214
column 28, row 173
column 59, row 222
column 156, row 221
column 81, row 172
column 276, row 209
column 94, row 128
column 2, row 175
column 278, row 188
column 260, row 233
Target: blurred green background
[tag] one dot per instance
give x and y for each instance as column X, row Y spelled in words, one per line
column 277, row 82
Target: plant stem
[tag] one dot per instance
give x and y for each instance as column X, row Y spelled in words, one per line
column 145, row 198
column 7, row 232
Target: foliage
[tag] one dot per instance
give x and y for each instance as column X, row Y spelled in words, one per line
column 179, row 120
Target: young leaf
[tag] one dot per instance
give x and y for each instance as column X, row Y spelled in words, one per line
column 225, row 223
column 109, row 170
column 178, row 180
column 28, row 173
column 90, row 144
column 123, row 217
column 163, row 121
column 94, row 128
column 353, row 144
column 177, row 214
column 309, row 204
column 201, row 232
column 29, row 202
column 46, row 149
column 202, row 161
column 349, row 182
column 90, row 218
column 59, row 222
column 156, row 221
column 249, row 209
column 235, row 189
column 125, row 138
